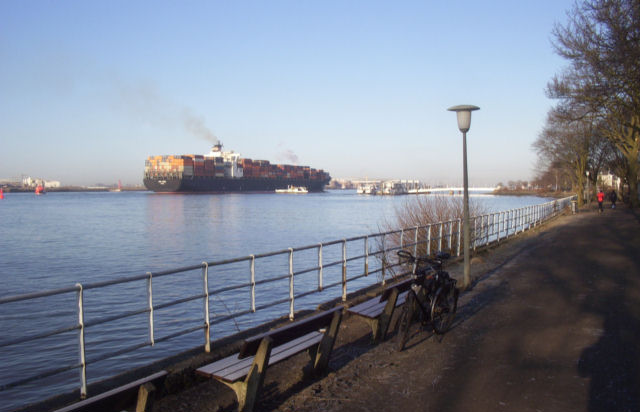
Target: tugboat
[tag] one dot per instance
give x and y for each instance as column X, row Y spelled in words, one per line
column 293, row 189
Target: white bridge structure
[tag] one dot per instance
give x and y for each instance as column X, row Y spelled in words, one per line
column 402, row 187
column 453, row 190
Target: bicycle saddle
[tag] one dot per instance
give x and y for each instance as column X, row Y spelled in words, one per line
column 443, row 255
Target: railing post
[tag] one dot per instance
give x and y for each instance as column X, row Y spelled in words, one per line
column 475, row 232
column 520, row 220
column 440, row 237
column 291, row 295
column 540, row 213
column 450, row 235
column 511, row 220
column 83, row 360
column 505, row 224
column 486, row 231
column 493, row 223
column 344, row 270
column 252, row 280
column 496, row 225
column 384, row 259
column 459, row 236
column 415, row 241
column 505, row 219
column 486, row 242
column 401, row 238
column 429, row 240
column 532, row 216
column 320, row 280
column 207, row 323
column 366, row 255
column 150, row 302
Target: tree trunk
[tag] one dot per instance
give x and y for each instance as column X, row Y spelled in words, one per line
column 632, row 178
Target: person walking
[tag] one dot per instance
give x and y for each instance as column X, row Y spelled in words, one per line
column 613, row 198
column 600, row 200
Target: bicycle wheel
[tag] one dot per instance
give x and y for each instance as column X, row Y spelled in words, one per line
column 404, row 322
column 443, row 308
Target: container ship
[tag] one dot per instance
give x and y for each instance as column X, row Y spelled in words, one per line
column 220, row 171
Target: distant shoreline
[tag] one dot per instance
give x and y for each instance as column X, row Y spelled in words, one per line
column 10, row 189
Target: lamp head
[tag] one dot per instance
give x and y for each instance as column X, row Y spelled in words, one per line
column 463, row 112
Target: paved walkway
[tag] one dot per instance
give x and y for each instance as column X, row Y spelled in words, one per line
column 554, row 327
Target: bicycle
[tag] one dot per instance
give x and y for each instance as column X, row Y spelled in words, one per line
column 434, row 294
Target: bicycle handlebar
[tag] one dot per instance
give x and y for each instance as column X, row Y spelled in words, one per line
column 440, row 256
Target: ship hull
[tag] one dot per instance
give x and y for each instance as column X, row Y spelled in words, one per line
column 205, row 184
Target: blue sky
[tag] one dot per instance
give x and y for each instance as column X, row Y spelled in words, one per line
column 89, row 89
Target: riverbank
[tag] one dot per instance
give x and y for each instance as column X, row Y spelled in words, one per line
column 540, row 193
column 552, row 324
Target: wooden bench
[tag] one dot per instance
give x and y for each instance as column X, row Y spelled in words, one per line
column 122, row 396
column 274, row 346
column 379, row 310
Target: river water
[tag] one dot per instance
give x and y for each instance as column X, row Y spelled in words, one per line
column 59, row 239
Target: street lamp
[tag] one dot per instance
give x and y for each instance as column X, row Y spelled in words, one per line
column 464, row 122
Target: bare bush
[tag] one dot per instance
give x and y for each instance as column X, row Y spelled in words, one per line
column 425, row 225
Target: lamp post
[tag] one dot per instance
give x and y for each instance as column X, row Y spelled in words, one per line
column 588, row 192
column 463, row 113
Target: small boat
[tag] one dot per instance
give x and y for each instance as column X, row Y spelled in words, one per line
column 293, row 189
column 40, row 190
column 393, row 187
column 367, row 189
column 118, row 189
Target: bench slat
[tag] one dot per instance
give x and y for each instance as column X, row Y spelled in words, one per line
column 289, row 332
column 373, row 307
column 364, row 306
column 231, row 369
column 374, row 310
column 401, row 286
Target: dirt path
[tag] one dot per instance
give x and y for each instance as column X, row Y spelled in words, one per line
column 553, row 324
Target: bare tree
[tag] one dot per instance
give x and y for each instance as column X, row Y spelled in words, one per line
column 571, row 142
column 601, row 41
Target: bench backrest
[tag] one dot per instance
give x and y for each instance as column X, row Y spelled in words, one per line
column 114, row 399
column 289, row 332
column 401, row 286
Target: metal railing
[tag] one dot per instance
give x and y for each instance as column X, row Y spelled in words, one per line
column 347, row 269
